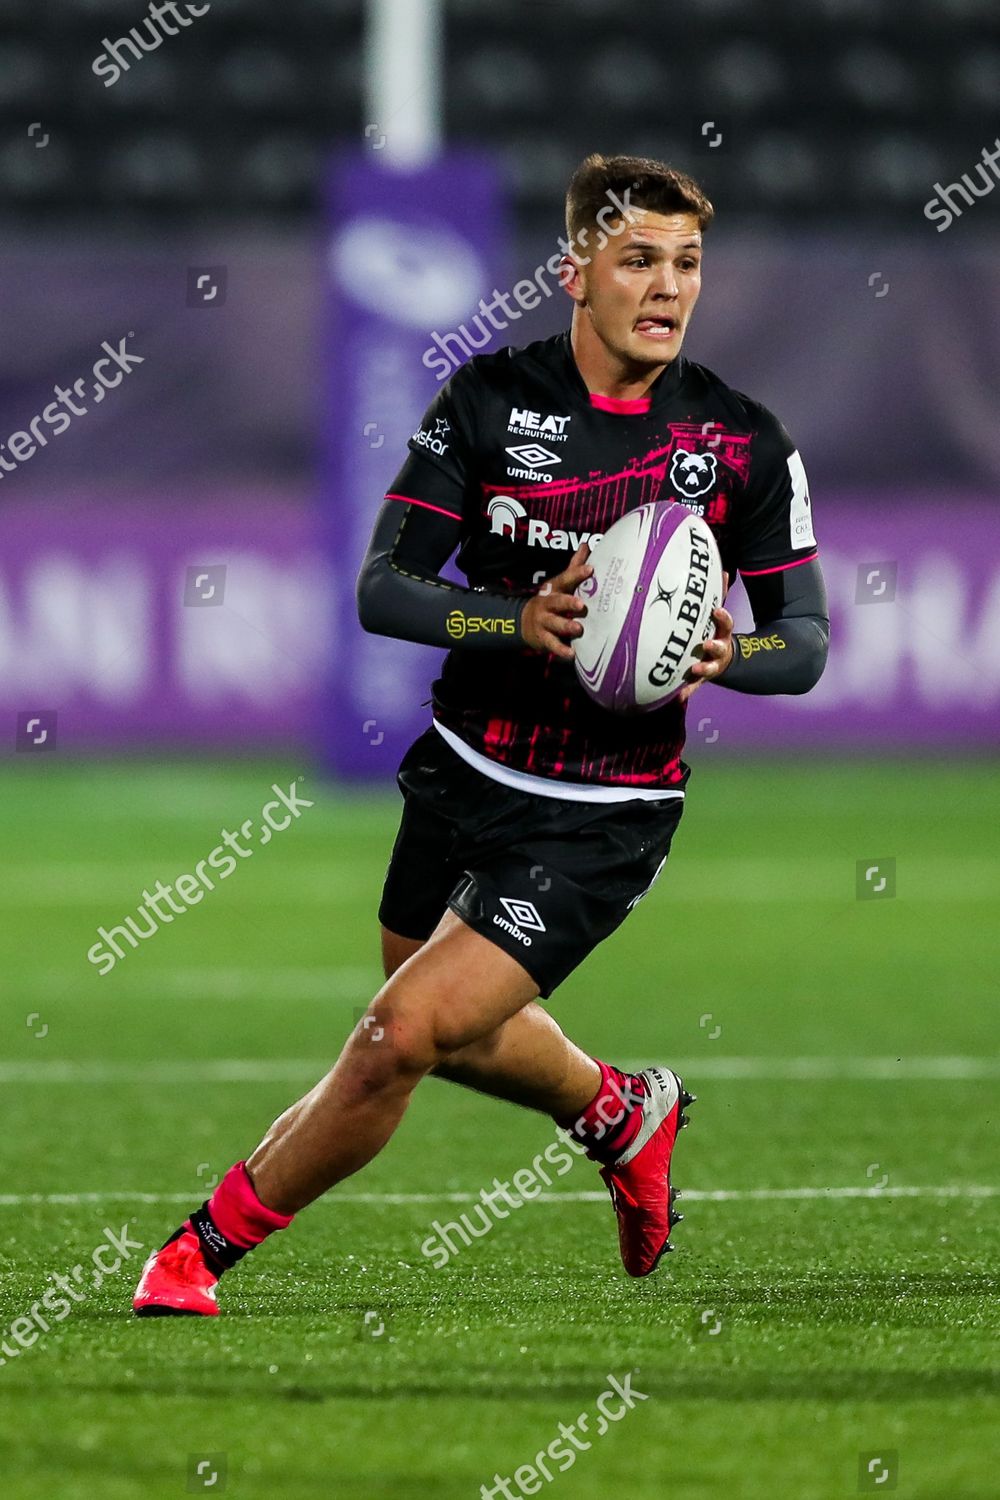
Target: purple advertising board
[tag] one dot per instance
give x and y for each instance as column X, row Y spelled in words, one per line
column 410, row 254
column 914, row 586
column 165, row 626
column 162, row 624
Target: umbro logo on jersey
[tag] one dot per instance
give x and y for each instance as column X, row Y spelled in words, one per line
column 533, row 455
column 522, row 914
column 530, row 423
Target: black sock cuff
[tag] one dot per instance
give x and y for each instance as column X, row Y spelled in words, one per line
column 220, row 1253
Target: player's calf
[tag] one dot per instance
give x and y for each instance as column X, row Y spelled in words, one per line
column 418, row 1018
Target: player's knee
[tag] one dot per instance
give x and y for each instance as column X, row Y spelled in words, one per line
column 403, row 1037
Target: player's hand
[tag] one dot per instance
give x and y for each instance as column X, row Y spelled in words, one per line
column 552, row 616
column 716, row 654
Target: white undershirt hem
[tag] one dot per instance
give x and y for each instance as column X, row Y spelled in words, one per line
column 544, row 786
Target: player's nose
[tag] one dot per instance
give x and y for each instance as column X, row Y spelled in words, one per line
column 665, row 283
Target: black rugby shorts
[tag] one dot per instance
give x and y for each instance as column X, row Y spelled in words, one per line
column 544, row 878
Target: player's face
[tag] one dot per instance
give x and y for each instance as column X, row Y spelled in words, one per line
column 640, row 289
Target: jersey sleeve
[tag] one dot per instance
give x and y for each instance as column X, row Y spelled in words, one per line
column 786, row 651
column 401, row 593
column 440, row 471
column 423, row 519
column 775, row 523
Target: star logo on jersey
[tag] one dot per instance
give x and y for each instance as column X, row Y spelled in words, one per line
column 533, row 455
column 693, row 474
column 442, row 427
column 432, row 440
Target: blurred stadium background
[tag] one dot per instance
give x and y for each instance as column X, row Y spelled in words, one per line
column 276, row 210
column 255, row 147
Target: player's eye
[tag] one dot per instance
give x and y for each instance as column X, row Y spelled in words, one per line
column 638, row 260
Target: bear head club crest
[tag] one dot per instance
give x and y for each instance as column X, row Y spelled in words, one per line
column 693, row 474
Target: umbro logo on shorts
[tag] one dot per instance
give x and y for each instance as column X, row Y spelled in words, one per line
column 522, row 914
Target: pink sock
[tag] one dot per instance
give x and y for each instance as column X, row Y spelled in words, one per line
column 611, row 1120
column 238, row 1213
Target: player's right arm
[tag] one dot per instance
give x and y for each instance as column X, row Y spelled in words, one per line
column 400, row 590
column 776, row 554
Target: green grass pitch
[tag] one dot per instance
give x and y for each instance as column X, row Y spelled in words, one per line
column 842, row 1225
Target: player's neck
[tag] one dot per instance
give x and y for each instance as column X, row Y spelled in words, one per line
column 606, row 375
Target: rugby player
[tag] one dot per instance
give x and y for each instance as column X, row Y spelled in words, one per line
column 534, row 820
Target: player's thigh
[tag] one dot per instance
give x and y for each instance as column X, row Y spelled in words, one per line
column 396, row 949
column 567, row 877
column 457, row 988
column 421, row 873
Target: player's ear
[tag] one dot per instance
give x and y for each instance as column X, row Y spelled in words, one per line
column 571, row 280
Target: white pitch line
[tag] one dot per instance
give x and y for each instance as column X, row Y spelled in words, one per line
column 357, row 982
column 695, row 1070
column 689, row 1195
column 805, row 1069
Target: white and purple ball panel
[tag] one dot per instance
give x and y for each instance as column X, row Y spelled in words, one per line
column 657, row 577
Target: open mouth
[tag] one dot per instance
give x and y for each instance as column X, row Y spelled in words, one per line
column 657, row 328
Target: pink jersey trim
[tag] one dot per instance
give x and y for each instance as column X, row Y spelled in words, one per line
column 781, row 568
column 426, row 504
column 637, row 408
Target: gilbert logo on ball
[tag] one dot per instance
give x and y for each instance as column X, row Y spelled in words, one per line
column 657, row 578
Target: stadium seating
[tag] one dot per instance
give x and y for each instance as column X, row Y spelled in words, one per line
column 814, row 106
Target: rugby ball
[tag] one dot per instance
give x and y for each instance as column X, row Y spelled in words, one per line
column 657, row 578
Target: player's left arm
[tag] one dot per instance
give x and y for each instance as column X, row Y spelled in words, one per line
column 776, row 554
column 787, row 649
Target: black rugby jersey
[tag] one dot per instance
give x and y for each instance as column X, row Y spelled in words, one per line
column 517, row 452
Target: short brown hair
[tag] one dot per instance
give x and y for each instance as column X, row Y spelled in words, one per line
column 650, row 184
